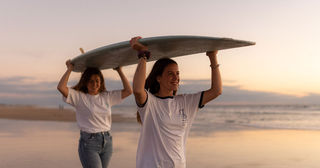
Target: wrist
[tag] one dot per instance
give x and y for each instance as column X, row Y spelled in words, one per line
column 139, row 47
column 144, row 48
column 144, row 54
column 212, row 57
column 119, row 71
column 214, row 66
column 212, row 53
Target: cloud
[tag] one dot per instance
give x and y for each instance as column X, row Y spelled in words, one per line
column 25, row 85
column 16, row 79
column 234, row 94
column 27, row 90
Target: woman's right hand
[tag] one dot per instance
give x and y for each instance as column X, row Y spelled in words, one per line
column 118, row 69
column 136, row 45
column 69, row 65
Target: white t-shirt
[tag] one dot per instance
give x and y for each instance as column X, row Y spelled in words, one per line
column 166, row 123
column 93, row 112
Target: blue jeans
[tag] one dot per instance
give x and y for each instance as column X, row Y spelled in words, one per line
column 95, row 149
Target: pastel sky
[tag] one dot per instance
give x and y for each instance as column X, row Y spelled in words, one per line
column 38, row 36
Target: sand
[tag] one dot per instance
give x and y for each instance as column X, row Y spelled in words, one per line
column 47, row 114
column 34, row 143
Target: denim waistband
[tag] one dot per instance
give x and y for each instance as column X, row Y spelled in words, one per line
column 96, row 134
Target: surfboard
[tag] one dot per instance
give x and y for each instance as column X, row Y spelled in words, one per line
column 121, row 54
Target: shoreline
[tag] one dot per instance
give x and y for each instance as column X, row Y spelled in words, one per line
column 37, row 113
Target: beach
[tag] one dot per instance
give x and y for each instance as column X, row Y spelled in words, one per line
column 34, row 113
column 33, row 141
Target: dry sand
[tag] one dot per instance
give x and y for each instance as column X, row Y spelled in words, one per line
column 46, row 114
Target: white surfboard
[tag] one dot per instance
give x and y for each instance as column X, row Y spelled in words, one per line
column 121, row 54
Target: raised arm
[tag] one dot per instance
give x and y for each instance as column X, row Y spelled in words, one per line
column 216, row 84
column 62, row 86
column 139, row 78
column 127, row 90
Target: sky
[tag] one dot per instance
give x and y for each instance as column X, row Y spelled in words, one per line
column 37, row 37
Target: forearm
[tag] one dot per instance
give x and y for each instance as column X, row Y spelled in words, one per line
column 127, row 90
column 216, row 83
column 139, row 77
column 62, row 86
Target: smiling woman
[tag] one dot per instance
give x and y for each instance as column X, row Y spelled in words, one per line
column 91, row 82
column 165, row 117
column 93, row 113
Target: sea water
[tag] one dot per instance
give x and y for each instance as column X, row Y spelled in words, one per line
column 306, row 117
column 284, row 116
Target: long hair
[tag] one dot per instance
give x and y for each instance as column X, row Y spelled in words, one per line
column 151, row 84
column 85, row 78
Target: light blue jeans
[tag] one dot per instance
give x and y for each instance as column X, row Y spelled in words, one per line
column 95, row 149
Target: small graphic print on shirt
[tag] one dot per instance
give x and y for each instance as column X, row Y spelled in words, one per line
column 107, row 105
column 183, row 115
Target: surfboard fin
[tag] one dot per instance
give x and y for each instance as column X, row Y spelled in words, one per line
column 82, row 51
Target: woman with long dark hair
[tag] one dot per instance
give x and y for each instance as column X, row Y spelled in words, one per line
column 93, row 113
column 166, row 118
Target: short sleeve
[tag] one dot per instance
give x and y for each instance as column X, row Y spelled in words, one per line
column 114, row 97
column 73, row 97
column 143, row 105
column 142, row 109
column 193, row 102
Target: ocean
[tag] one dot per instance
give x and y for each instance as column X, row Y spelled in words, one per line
column 286, row 116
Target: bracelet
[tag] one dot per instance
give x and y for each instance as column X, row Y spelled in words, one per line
column 215, row 66
column 144, row 54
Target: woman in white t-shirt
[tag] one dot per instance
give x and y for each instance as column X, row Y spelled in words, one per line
column 93, row 113
column 166, row 118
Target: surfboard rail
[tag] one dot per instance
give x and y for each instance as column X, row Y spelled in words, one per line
column 121, row 54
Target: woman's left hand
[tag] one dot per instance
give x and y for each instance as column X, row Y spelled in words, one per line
column 119, row 68
column 212, row 53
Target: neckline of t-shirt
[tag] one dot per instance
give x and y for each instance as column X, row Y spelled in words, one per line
column 167, row 97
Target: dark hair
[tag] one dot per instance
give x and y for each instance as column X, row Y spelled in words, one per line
column 85, row 78
column 151, row 83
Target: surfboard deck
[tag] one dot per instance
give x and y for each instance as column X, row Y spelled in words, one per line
column 121, row 54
